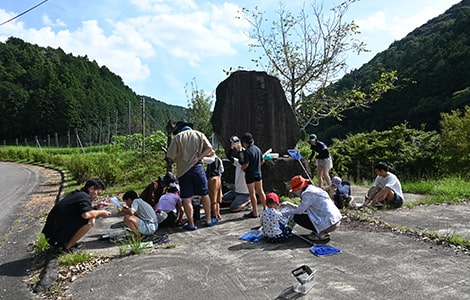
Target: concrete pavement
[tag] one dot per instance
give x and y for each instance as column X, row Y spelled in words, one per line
column 213, row 263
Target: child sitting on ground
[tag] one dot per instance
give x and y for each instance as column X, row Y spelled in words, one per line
column 340, row 192
column 274, row 225
column 171, row 204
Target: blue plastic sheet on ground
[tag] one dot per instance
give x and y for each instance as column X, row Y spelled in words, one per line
column 322, row 250
column 254, row 235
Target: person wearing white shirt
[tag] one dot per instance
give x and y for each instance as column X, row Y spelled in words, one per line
column 386, row 189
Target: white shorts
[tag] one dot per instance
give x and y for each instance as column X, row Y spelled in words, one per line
column 326, row 163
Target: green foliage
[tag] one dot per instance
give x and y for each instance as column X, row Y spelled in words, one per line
column 200, row 109
column 410, row 153
column 154, row 143
column 72, row 259
column 46, row 93
column 79, row 167
column 107, row 166
column 41, row 245
column 455, row 141
column 131, row 245
column 434, row 58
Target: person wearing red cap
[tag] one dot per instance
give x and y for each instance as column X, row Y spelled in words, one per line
column 316, row 211
column 275, row 227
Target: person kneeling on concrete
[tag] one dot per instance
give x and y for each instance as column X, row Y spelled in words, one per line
column 316, row 210
column 139, row 215
column 73, row 216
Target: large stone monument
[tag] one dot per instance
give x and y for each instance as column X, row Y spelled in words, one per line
column 251, row 101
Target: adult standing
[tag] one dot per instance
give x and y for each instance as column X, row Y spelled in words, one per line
column 386, row 189
column 187, row 149
column 316, row 211
column 323, row 160
column 73, row 216
column 251, row 164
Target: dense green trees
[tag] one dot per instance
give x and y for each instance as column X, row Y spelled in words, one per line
column 435, row 58
column 44, row 92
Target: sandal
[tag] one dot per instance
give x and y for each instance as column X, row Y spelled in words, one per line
column 187, row 227
column 212, row 223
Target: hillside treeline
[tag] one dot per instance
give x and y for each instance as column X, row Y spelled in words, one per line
column 44, row 91
column 433, row 63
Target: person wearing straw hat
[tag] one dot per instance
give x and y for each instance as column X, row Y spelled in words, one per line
column 315, row 212
column 187, row 149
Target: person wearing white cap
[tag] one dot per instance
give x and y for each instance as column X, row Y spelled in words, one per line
column 239, row 197
column 171, row 204
column 342, row 192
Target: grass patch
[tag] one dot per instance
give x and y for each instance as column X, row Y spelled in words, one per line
column 438, row 191
column 40, row 245
column 72, row 259
column 131, row 245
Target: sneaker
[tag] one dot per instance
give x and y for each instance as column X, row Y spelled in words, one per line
column 75, row 248
column 318, row 237
column 212, row 223
column 187, row 227
column 250, row 215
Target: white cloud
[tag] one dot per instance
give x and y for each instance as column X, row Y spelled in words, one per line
column 48, row 22
column 132, row 43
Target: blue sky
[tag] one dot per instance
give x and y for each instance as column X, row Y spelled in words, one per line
column 158, row 47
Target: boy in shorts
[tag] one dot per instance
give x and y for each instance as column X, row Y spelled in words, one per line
column 139, row 215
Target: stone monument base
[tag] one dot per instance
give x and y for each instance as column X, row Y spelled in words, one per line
column 276, row 174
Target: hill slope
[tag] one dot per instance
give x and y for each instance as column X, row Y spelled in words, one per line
column 436, row 59
column 44, row 91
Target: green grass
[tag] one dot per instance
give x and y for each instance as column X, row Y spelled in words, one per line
column 41, row 245
column 131, row 245
column 445, row 190
column 72, row 259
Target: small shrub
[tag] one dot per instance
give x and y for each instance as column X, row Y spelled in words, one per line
column 79, row 167
column 41, row 245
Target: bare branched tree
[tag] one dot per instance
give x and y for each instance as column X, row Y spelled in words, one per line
column 307, row 53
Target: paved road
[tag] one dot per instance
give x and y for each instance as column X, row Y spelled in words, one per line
column 18, row 184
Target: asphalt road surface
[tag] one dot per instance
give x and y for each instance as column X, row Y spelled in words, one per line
column 17, row 184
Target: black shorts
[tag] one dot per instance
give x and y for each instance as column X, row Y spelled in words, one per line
column 61, row 237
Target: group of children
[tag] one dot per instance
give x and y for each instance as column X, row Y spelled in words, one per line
column 160, row 205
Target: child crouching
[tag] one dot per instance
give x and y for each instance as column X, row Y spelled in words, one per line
column 274, row 225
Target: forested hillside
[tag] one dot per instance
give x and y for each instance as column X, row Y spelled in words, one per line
column 44, row 91
column 435, row 58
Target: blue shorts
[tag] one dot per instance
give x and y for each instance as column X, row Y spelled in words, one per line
column 147, row 227
column 194, row 182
